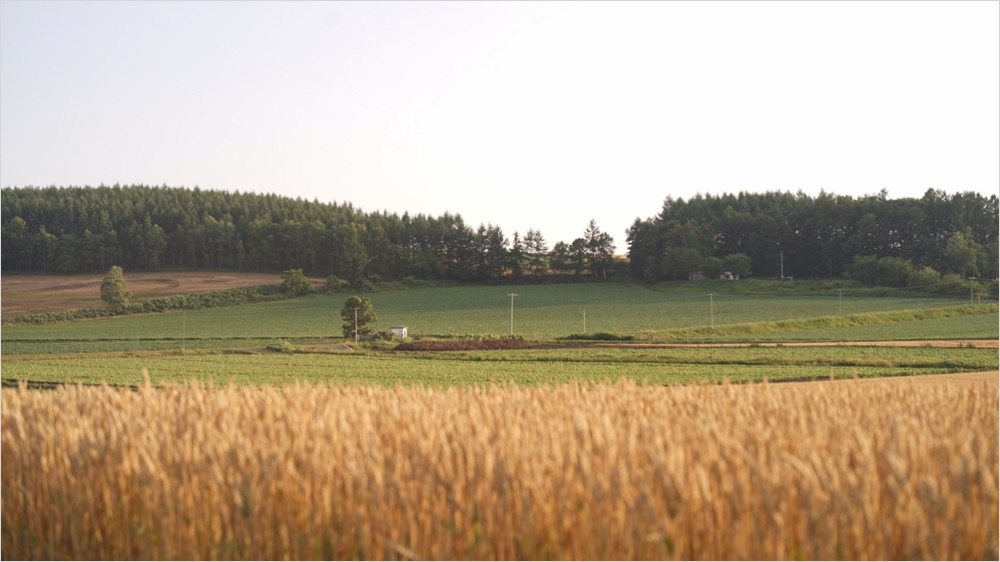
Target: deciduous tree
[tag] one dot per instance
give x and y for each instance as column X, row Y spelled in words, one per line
column 357, row 314
column 738, row 264
column 114, row 289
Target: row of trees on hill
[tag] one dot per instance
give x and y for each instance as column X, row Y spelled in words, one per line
column 770, row 234
column 795, row 235
column 77, row 229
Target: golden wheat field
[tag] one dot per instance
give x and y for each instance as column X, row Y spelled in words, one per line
column 612, row 471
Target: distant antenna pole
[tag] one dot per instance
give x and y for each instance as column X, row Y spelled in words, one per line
column 355, row 324
column 512, row 295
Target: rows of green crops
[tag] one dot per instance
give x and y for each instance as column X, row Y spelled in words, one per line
column 974, row 326
column 655, row 366
column 967, row 359
column 221, row 345
column 63, row 347
column 540, row 311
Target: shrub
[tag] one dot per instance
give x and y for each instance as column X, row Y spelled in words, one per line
column 283, row 346
column 924, row 279
column 295, row 283
column 335, row 284
column 884, row 272
column 601, row 336
column 953, row 284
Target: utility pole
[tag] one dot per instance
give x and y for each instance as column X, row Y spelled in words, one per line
column 972, row 281
column 840, row 302
column 585, row 321
column 711, row 310
column 355, row 324
column 512, row 295
column 183, row 328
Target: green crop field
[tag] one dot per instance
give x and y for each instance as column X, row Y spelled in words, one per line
column 540, row 311
column 970, row 326
column 226, row 344
column 533, row 366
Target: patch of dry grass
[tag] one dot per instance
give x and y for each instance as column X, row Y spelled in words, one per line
column 621, row 471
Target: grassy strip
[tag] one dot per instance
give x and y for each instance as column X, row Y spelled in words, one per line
column 863, row 319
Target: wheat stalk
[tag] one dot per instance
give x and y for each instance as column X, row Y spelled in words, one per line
column 611, row 471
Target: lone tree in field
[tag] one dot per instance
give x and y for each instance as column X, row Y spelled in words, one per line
column 358, row 312
column 114, row 289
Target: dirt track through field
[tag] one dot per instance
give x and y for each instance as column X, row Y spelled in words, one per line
column 985, row 344
column 965, row 379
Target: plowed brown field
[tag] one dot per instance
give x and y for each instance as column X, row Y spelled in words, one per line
column 47, row 293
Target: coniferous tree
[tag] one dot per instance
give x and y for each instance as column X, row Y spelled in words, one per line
column 78, row 229
column 599, row 248
column 537, row 251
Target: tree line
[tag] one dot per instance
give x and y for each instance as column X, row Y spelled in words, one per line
column 769, row 235
column 89, row 229
column 781, row 234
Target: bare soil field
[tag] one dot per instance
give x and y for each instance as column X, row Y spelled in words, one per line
column 49, row 293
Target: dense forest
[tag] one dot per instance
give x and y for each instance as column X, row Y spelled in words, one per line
column 81, row 229
column 798, row 236
column 773, row 234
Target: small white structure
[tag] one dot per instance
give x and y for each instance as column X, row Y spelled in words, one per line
column 398, row 331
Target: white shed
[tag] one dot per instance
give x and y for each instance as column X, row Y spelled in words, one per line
column 398, row 331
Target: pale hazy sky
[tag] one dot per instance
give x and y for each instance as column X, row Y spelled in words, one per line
column 521, row 114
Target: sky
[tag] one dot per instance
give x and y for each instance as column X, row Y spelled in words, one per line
column 525, row 115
